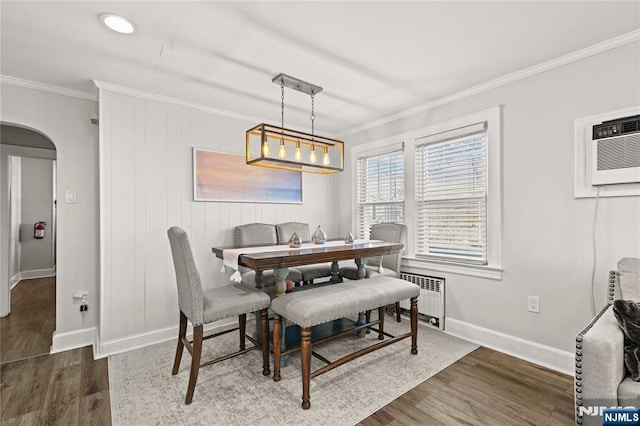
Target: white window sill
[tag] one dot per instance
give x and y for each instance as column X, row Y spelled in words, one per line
column 489, row 272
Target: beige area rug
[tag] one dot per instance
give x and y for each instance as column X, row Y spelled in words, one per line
column 234, row 392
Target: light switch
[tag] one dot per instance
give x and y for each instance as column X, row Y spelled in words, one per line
column 70, row 196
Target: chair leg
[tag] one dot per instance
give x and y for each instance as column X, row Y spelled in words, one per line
column 277, row 343
column 367, row 316
column 398, row 319
column 182, row 331
column 264, row 322
column 242, row 326
column 305, row 359
column 414, row 325
column 195, row 362
column 381, row 324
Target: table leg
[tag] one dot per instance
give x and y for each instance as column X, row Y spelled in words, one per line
column 361, row 263
column 335, row 275
column 281, row 280
column 281, row 287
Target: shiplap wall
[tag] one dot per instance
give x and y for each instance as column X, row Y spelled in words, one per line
column 146, row 187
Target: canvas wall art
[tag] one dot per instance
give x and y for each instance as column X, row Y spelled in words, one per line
column 219, row 176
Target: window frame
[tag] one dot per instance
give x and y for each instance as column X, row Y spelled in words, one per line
column 493, row 119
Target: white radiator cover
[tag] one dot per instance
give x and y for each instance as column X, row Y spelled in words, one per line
column 431, row 300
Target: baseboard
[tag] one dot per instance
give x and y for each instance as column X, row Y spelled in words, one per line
column 136, row 341
column 14, row 280
column 36, row 273
column 73, row 339
column 546, row 356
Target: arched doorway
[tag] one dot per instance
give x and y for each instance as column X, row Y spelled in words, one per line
column 28, row 219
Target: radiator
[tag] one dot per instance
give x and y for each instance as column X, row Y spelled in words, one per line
column 431, row 300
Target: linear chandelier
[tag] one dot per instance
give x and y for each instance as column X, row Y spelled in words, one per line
column 280, row 148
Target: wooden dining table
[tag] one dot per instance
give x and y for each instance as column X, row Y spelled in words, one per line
column 281, row 260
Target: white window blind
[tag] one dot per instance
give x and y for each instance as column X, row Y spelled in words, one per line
column 451, row 198
column 380, row 190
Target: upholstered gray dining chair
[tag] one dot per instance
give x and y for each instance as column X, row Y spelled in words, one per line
column 259, row 234
column 391, row 233
column 203, row 307
column 309, row 273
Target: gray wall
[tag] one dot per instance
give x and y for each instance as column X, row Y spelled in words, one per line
column 65, row 121
column 37, row 206
column 547, row 233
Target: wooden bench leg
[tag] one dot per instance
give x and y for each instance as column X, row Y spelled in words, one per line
column 305, row 358
column 195, row 362
column 264, row 323
column 381, row 324
column 242, row 326
column 398, row 319
column 182, row 331
column 277, row 342
column 414, row 325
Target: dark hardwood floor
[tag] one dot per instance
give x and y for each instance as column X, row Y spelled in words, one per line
column 27, row 331
column 484, row 388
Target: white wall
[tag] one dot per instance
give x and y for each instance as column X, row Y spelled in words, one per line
column 147, row 186
column 66, row 121
column 37, row 206
column 547, row 233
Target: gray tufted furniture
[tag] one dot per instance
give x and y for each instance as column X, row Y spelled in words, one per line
column 253, row 234
column 309, row 272
column 309, row 307
column 389, row 232
column 203, row 307
column 601, row 379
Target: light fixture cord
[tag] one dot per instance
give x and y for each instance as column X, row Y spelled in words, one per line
column 282, row 111
column 313, row 115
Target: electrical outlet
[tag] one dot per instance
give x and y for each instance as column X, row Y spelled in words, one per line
column 533, row 304
column 80, row 297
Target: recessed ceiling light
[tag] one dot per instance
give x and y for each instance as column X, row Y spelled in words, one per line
column 117, row 23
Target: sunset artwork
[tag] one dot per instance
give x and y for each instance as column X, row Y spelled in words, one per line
column 220, row 176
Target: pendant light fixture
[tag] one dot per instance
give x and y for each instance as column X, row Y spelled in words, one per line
column 294, row 150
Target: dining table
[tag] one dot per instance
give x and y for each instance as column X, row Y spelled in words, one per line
column 281, row 257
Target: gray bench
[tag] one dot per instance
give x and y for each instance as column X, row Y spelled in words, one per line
column 320, row 305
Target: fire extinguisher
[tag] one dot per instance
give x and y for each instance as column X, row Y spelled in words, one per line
column 38, row 230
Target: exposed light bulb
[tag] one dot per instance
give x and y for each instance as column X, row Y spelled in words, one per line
column 266, row 151
column 312, row 155
column 282, row 152
column 298, row 154
column 325, row 157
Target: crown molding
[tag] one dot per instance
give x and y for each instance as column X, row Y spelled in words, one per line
column 14, row 81
column 155, row 97
column 501, row 81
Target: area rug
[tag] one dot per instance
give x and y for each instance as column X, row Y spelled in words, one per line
column 234, row 392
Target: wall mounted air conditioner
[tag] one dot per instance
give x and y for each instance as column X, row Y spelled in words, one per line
column 616, row 151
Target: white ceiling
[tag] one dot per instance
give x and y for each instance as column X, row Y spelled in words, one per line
column 373, row 59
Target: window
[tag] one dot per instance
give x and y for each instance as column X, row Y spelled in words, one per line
column 451, row 198
column 380, row 194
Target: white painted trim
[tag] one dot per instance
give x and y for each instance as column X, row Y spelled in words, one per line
column 536, row 353
column 129, row 343
column 423, row 265
column 73, row 339
column 36, row 273
column 14, row 280
column 582, row 187
column 501, row 81
column 114, row 88
column 48, row 88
